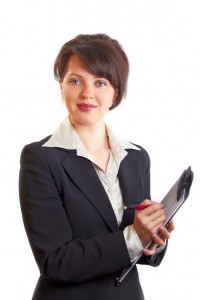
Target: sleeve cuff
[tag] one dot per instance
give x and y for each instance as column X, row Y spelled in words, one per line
column 133, row 243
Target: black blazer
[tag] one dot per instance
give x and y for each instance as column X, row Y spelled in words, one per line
column 71, row 226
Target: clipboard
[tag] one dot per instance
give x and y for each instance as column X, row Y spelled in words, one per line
column 172, row 202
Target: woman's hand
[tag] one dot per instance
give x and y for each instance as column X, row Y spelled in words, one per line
column 148, row 224
column 148, row 221
column 159, row 240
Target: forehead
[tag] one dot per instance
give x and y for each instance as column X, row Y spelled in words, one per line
column 76, row 67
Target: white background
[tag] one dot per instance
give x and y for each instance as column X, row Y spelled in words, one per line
column 161, row 112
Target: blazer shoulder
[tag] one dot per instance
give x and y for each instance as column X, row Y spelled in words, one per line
column 142, row 150
column 140, row 157
column 37, row 144
column 34, row 147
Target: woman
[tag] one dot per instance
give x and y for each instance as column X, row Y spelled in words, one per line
column 76, row 184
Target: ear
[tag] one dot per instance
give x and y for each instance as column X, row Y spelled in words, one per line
column 60, row 83
column 115, row 95
column 114, row 98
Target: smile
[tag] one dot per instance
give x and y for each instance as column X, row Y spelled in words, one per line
column 85, row 107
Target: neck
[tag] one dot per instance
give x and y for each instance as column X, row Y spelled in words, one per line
column 94, row 137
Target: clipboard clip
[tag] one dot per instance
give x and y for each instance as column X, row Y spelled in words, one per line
column 185, row 183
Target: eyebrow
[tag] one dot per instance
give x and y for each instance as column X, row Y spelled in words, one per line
column 75, row 74
column 78, row 75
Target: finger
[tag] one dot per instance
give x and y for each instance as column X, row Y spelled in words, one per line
column 156, row 215
column 151, row 250
column 153, row 209
column 159, row 240
column 155, row 225
column 146, row 202
column 170, row 226
column 164, row 233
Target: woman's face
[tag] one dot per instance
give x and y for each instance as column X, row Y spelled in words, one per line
column 87, row 97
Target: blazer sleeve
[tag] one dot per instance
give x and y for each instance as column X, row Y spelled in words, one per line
column 156, row 259
column 58, row 255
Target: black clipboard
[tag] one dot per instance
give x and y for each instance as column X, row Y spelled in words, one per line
column 172, row 202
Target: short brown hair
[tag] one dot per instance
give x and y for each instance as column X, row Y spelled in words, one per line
column 101, row 55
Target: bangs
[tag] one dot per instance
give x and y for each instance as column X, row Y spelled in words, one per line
column 95, row 61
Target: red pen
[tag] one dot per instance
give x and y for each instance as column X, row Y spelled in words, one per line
column 138, row 206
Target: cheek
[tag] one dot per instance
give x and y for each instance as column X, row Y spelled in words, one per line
column 68, row 96
column 110, row 99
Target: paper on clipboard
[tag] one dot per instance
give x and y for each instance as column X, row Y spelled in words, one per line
column 173, row 200
column 177, row 195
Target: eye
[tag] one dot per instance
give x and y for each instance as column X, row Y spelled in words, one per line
column 101, row 83
column 75, row 81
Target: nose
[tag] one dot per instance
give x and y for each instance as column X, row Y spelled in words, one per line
column 87, row 92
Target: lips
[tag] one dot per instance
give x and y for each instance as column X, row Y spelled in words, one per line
column 85, row 107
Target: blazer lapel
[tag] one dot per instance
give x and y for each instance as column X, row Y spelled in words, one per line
column 83, row 174
column 129, row 181
column 128, row 178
